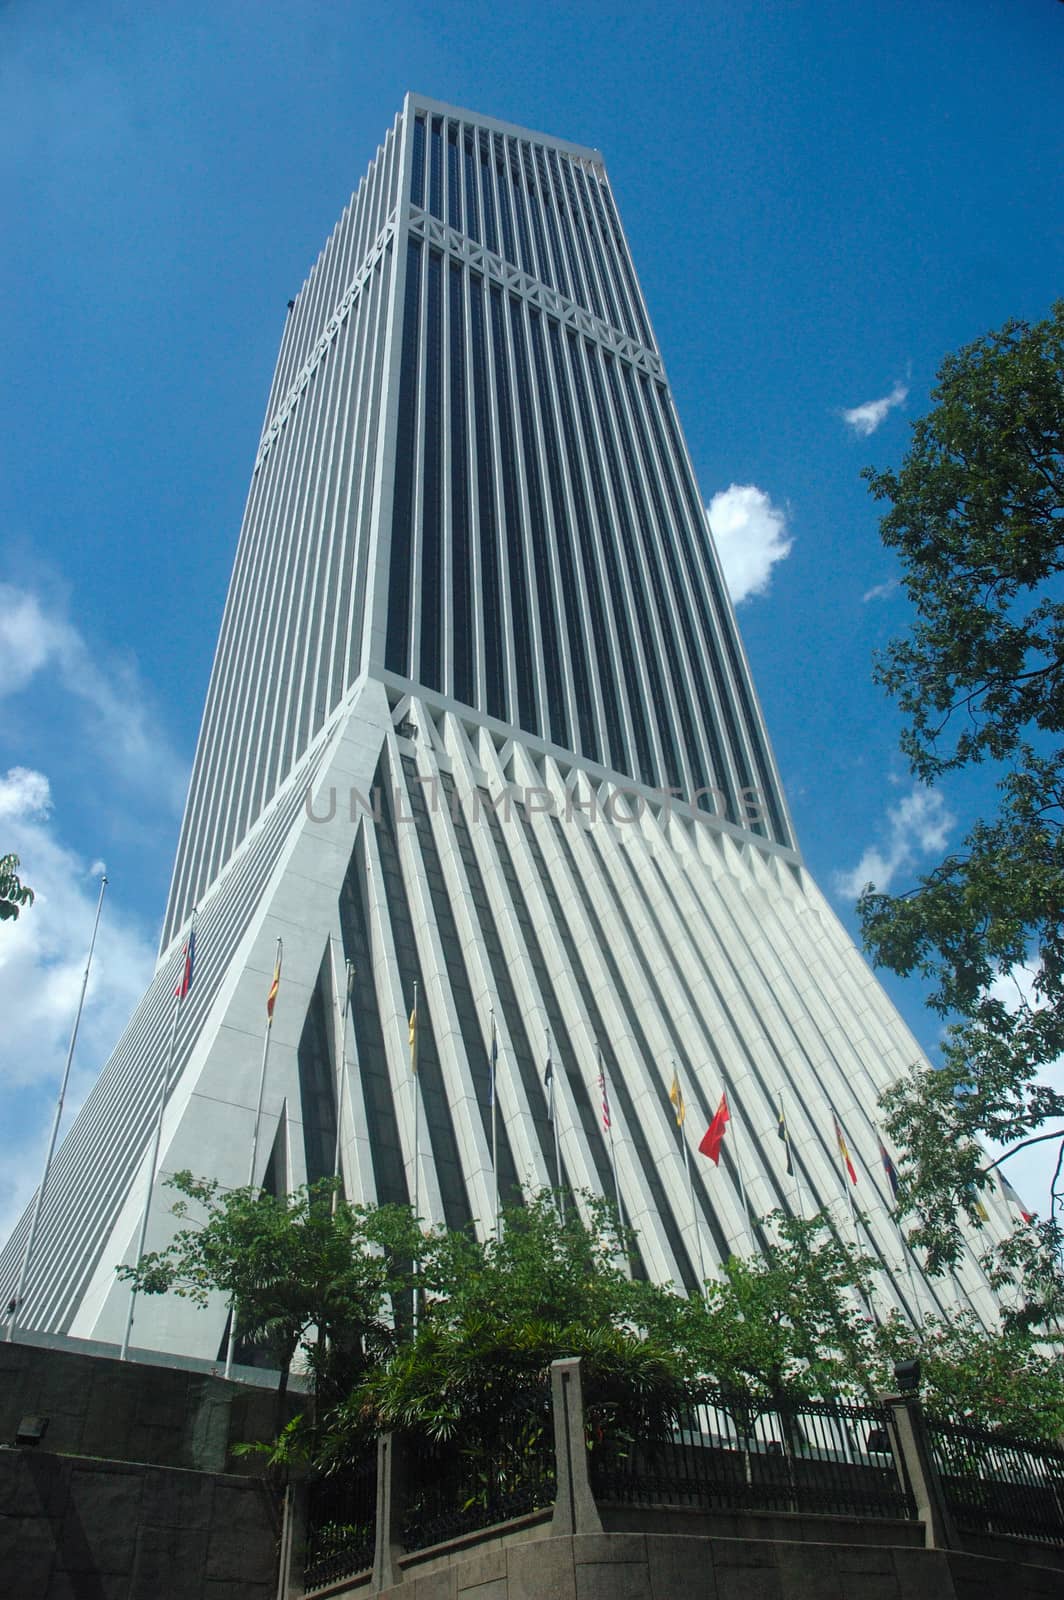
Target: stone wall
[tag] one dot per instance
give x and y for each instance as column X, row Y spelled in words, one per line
column 78, row 1529
column 636, row 1566
column 126, row 1411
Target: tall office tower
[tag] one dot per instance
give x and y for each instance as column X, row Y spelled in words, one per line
column 480, row 721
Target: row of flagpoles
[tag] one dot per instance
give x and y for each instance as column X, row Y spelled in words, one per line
column 710, row 1145
column 181, row 993
column 15, row 1303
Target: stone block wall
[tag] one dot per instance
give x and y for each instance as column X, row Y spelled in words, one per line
column 126, row 1411
column 635, row 1566
column 72, row 1528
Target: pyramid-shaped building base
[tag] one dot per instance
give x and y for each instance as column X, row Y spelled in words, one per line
column 480, row 722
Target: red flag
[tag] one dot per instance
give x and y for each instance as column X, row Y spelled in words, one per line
column 713, row 1137
column 605, row 1103
column 271, row 998
column 187, row 966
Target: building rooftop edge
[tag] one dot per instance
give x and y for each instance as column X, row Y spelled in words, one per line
column 422, row 102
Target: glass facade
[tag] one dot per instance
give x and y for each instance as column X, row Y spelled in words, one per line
column 593, row 616
column 546, row 559
column 293, row 633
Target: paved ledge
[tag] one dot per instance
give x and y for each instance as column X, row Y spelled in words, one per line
column 669, row 1566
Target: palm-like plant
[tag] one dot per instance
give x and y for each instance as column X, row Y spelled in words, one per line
column 14, row 894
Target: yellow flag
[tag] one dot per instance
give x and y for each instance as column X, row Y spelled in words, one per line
column 413, row 1040
column 676, row 1096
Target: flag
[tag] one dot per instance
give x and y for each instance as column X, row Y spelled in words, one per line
column 890, row 1169
column 676, row 1096
column 781, row 1133
column 494, row 1061
column 713, row 1137
column 605, row 1103
column 843, row 1151
column 971, row 1194
column 548, row 1084
column 413, row 1039
column 1013, row 1198
column 271, row 998
column 188, row 965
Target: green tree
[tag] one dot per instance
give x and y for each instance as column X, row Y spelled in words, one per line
column 794, row 1319
column 976, row 515
column 1006, row 1380
column 300, row 1271
column 495, row 1314
column 14, row 895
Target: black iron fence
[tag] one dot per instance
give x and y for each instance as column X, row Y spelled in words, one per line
column 728, row 1451
column 500, row 1468
column 998, row 1485
column 341, row 1523
column 720, row 1449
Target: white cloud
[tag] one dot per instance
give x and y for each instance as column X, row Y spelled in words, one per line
column 28, row 639
column 1030, row 1171
column 880, row 591
column 42, row 963
column 917, row 826
column 866, row 418
column 108, row 742
column 750, row 534
column 1016, row 988
column 24, row 793
column 36, row 639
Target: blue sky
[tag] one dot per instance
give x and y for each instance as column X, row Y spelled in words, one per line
column 822, row 199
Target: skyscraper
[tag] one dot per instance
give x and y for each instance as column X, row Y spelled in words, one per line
column 480, row 721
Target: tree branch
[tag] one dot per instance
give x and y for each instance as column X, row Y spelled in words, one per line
column 1035, row 1139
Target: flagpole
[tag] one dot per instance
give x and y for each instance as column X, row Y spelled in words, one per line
column 262, row 1073
column 682, row 1118
column 853, row 1217
column 892, row 1210
column 414, row 1043
column 907, row 1255
column 231, row 1342
column 799, row 1202
column 164, row 1084
column 739, row 1166
column 417, row 1111
column 845, row 1178
column 694, row 1214
column 495, row 1119
column 552, row 1113
column 20, row 1287
column 906, row 1247
column 608, row 1114
column 345, row 1014
column 844, row 1158
column 857, row 1239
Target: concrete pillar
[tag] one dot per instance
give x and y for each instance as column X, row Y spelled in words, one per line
column 293, row 1542
column 912, row 1454
column 575, row 1510
column 388, row 1545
